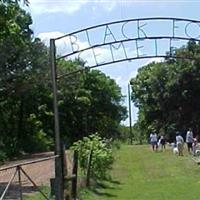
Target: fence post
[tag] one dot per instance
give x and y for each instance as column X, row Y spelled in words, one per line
column 20, row 182
column 75, row 172
column 64, row 161
column 89, row 169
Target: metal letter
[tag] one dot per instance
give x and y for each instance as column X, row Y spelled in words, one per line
column 95, row 57
column 174, row 26
column 122, row 30
column 139, row 29
column 186, row 31
column 109, row 33
column 121, row 44
column 138, row 47
column 88, row 38
column 74, row 43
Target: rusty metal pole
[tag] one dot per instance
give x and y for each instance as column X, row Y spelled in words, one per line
column 59, row 190
column 130, row 116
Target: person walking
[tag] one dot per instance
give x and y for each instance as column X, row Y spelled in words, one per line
column 153, row 140
column 179, row 143
column 189, row 140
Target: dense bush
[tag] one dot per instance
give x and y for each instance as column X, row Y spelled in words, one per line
column 102, row 157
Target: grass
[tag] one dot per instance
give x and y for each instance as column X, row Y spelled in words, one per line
column 140, row 174
column 38, row 195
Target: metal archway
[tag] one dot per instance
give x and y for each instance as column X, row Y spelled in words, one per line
column 127, row 37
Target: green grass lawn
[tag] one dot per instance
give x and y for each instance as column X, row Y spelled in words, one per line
column 140, row 174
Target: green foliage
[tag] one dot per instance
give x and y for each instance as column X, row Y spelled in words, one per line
column 124, row 133
column 36, row 140
column 89, row 101
column 2, row 156
column 166, row 93
column 102, row 157
column 137, row 135
column 23, row 69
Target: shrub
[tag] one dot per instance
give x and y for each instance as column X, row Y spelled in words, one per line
column 102, row 157
column 2, row 156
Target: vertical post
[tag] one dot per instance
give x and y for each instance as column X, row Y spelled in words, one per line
column 20, row 182
column 65, row 170
column 130, row 117
column 89, row 168
column 75, row 172
column 59, row 190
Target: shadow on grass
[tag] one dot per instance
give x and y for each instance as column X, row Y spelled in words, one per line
column 106, row 194
column 103, row 185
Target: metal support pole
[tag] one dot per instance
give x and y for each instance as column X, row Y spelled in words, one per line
column 130, row 117
column 59, row 190
column 20, row 182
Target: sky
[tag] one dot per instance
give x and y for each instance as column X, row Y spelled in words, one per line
column 53, row 18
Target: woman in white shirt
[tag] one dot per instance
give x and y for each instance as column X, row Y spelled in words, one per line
column 153, row 140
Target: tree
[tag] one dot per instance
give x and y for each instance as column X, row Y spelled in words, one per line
column 89, row 102
column 167, row 93
column 23, row 61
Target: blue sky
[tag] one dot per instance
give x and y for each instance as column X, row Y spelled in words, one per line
column 52, row 18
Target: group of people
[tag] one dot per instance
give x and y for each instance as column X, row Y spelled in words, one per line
column 157, row 141
column 190, row 140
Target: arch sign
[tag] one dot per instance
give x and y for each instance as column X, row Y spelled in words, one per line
column 112, row 43
column 127, row 40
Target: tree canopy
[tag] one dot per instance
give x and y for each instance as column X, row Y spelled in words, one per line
column 166, row 93
column 89, row 101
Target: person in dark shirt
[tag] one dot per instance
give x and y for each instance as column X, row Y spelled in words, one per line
column 162, row 142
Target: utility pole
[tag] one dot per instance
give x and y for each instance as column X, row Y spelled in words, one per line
column 59, row 178
column 130, row 116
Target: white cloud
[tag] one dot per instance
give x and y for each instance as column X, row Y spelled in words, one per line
column 156, row 60
column 53, row 6
column 45, row 37
column 68, row 6
column 108, row 4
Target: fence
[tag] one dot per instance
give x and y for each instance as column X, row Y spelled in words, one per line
column 29, row 178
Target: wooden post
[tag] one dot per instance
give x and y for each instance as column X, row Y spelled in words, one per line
column 75, row 172
column 65, row 170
